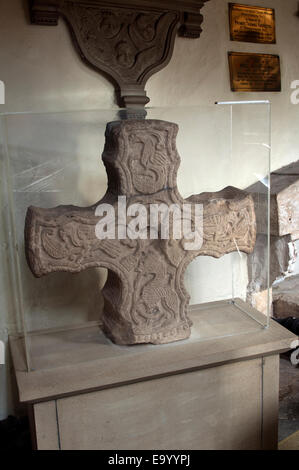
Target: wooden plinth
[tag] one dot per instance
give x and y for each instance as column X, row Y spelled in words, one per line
column 216, row 390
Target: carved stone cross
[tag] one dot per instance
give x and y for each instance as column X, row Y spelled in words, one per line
column 145, row 297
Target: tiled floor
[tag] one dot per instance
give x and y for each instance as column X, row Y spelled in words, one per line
column 289, row 398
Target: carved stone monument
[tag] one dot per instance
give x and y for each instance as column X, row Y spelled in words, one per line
column 127, row 41
column 145, row 297
column 284, row 223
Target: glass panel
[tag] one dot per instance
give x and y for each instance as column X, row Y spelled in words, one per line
column 52, row 159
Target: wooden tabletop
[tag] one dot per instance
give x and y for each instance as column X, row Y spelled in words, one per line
column 79, row 360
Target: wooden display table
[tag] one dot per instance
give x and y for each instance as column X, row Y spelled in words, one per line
column 86, row 393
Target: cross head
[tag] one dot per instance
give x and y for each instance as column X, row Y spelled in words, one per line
column 145, row 297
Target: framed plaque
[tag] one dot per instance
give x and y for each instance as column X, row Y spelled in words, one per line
column 254, row 72
column 252, row 24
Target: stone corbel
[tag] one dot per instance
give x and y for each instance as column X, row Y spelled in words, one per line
column 126, row 41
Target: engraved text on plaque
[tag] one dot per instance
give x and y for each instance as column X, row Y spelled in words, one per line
column 254, row 72
column 252, row 24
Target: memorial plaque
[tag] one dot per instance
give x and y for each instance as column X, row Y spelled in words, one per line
column 254, row 72
column 252, row 24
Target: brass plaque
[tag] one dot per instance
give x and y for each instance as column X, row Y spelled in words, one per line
column 252, row 24
column 254, row 72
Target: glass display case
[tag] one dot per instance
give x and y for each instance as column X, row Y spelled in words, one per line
column 54, row 159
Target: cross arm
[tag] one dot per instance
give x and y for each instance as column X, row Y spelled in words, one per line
column 64, row 239
column 229, row 222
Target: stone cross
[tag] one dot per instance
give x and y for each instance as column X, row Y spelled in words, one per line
column 145, row 297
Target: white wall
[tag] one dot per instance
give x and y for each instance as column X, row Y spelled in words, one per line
column 42, row 72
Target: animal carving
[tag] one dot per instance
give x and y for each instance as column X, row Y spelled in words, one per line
column 145, row 297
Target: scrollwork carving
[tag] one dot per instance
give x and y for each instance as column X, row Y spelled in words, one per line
column 127, row 42
column 145, row 297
